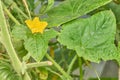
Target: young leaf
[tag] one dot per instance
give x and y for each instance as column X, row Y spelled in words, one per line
column 91, row 38
column 21, row 32
column 37, row 44
column 72, row 9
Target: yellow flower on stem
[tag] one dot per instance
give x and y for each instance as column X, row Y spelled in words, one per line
column 36, row 25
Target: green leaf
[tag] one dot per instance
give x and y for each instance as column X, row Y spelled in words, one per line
column 92, row 38
column 19, row 47
column 21, row 32
column 116, row 10
column 72, row 9
column 37, row 44
column 48, row 34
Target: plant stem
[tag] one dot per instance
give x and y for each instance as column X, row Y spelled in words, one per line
column 17, row 65
column 10, row 15
column 80, row 68
column 19, row 10
column 59, row 68
column 39, row 64
column 52, row 71
column 15, row 7
column 7, row 41
column 92, row 68
column 26, row 76
column 119, row 73
column 71, row 64
column 25, row 3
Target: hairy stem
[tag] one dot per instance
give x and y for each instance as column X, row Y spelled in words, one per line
column 90, row 66
column 52, row 71
column 26, row 5
column 80, row 68
column 71, row 64
column 59, row 68
column 6, row 39
column 10, row 15
column 26, row 76
column 119, row 73
column 19, row 10
column 39, row 64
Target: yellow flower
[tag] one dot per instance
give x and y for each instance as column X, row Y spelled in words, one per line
column 36, row 25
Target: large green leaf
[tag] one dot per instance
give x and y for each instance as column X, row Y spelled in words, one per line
column 37, row 44
column 72, row 9
column 92, row 38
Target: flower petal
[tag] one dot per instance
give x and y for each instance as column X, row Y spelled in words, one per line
column 36, row 25
column 29, row 23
